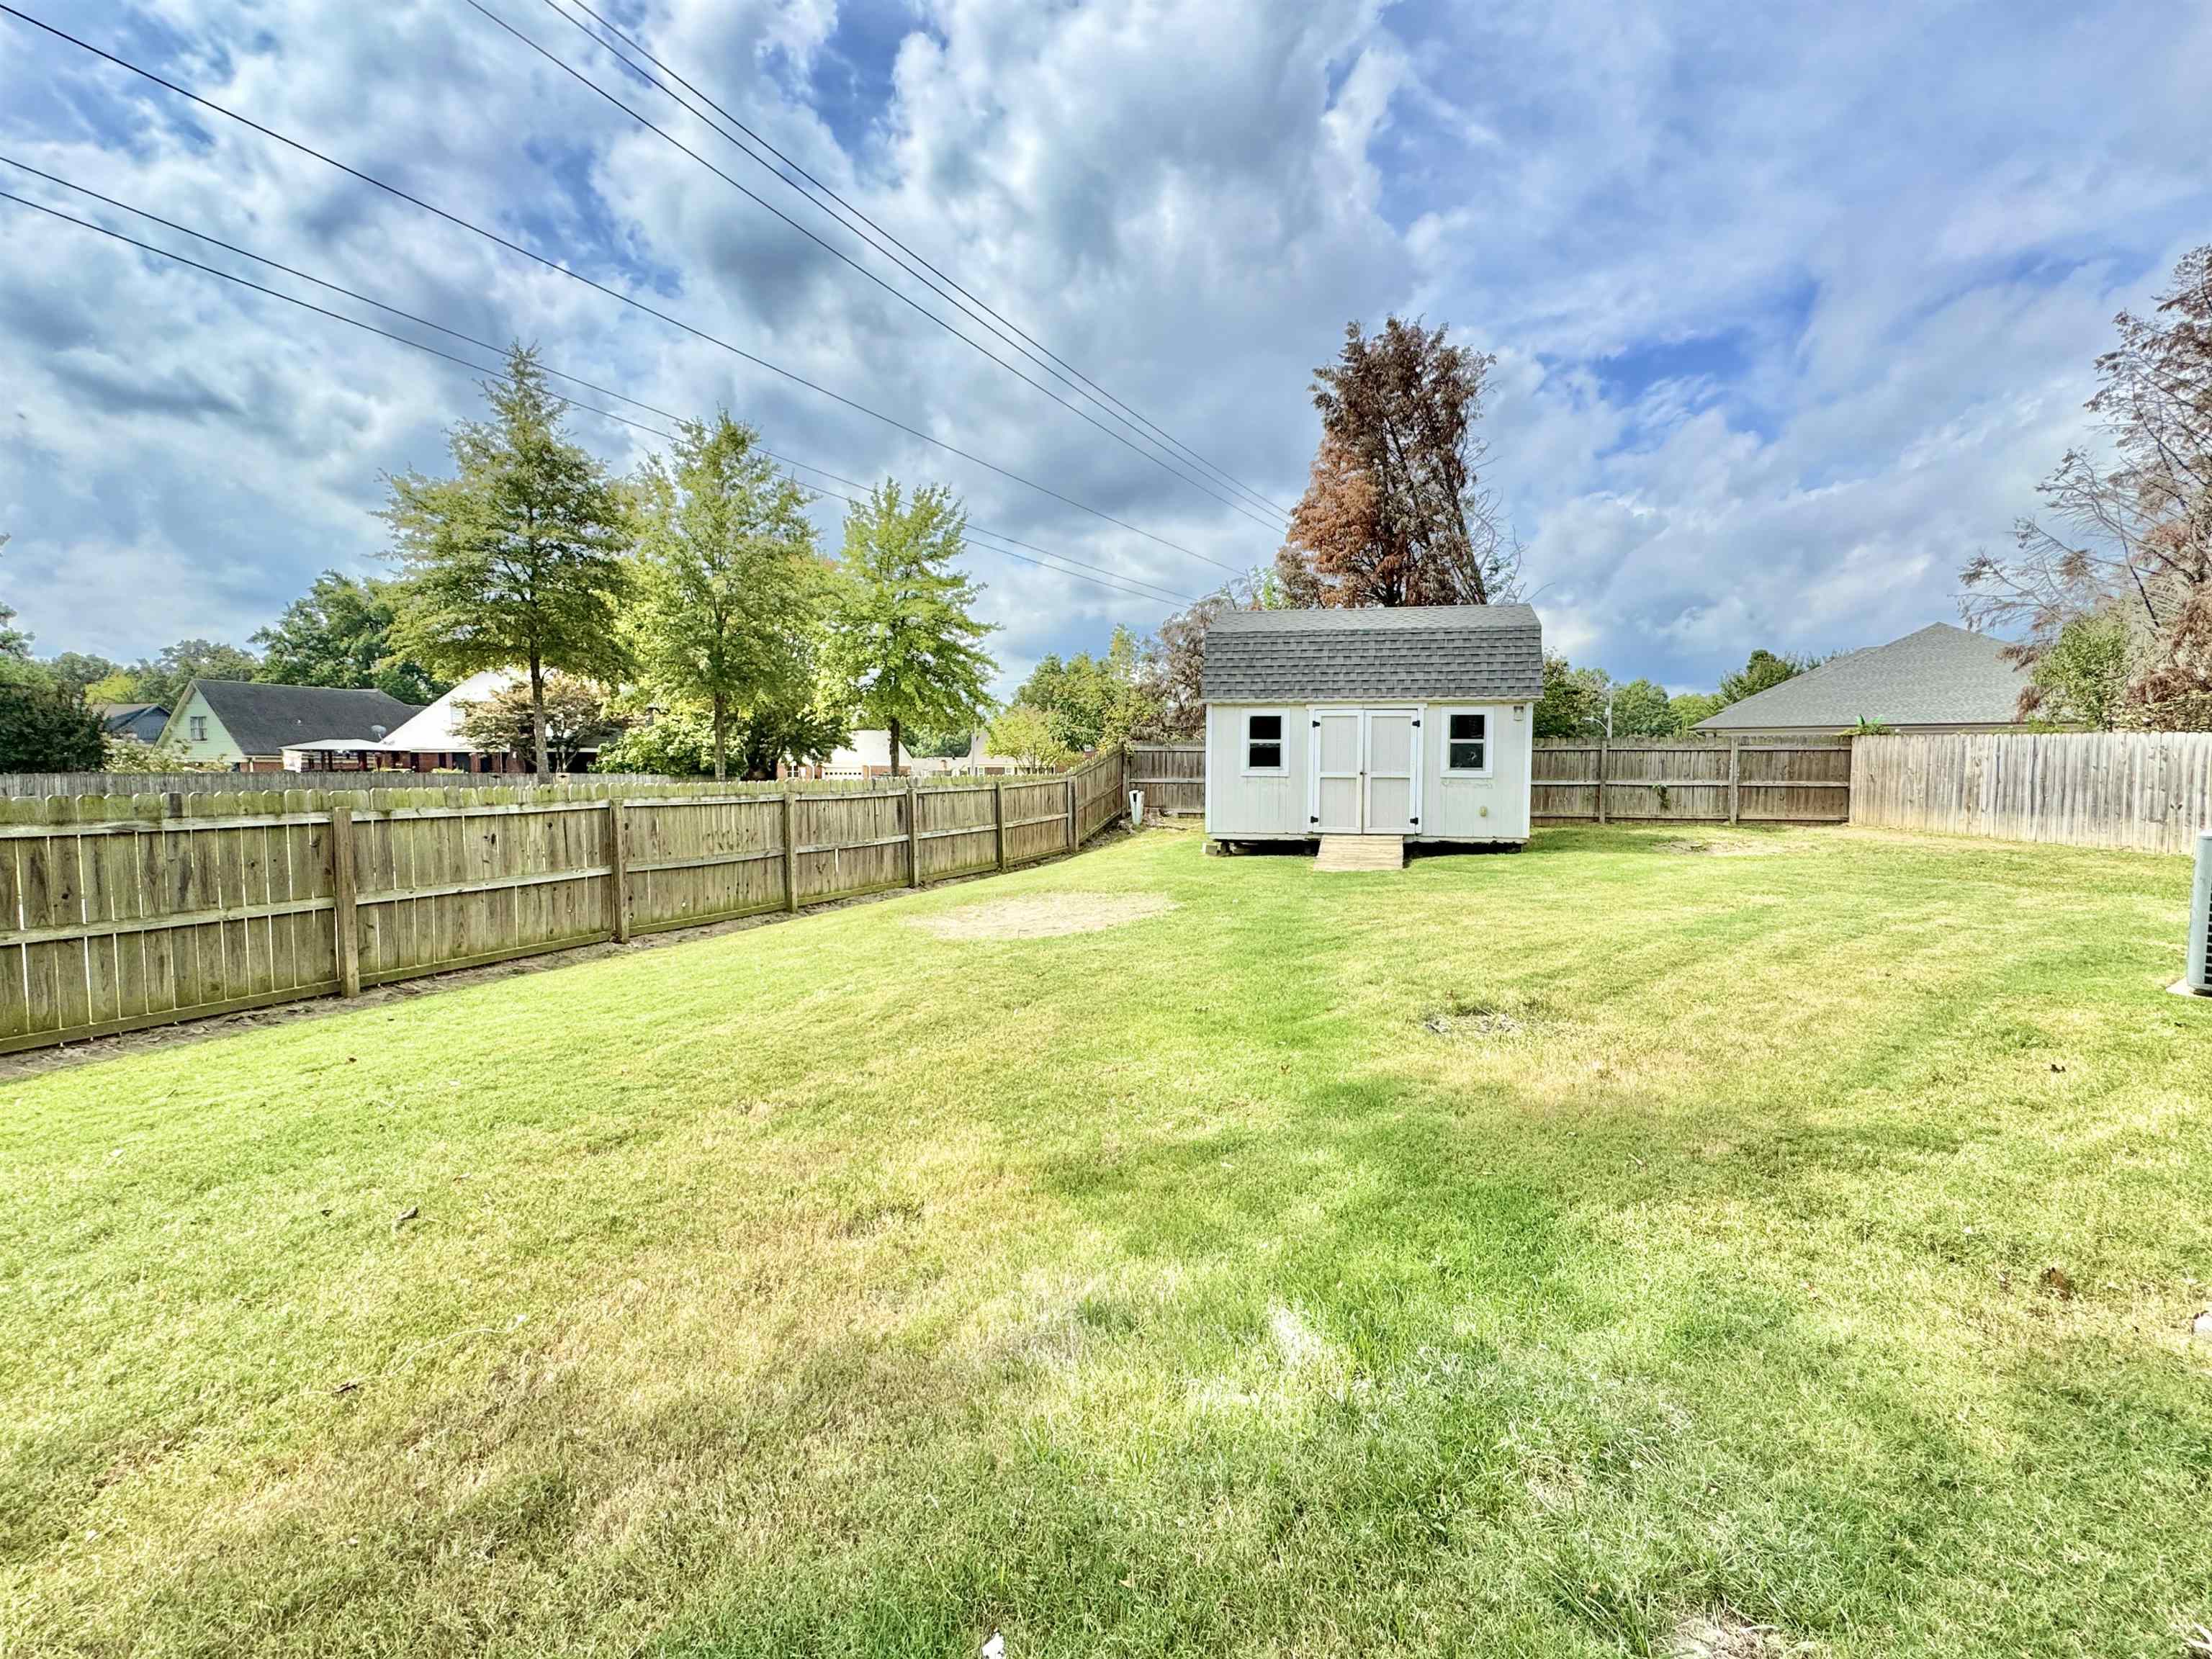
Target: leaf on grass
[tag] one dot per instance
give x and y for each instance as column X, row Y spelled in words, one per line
column 406, row 1215
column 347, row 1387
column 2057, row 1282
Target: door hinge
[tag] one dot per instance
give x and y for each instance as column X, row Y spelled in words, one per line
column 1317, row 725
column 1412, row 820
column 1316, row 818
column 1417, row 725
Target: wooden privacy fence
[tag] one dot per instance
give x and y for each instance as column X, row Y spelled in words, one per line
column 598, row 785
column 1747, row 780
column 118, row 913
column 1172, row 776
column 2149, row 790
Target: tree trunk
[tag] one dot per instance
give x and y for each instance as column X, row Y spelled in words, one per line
column 894, row 747
column 721, row 740
column 538, row 716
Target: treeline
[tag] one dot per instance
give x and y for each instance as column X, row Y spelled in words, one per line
column 686, row 619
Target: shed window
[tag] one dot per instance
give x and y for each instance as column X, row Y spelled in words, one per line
column 1469, row 746
column 1263, row 742
column 199, row 728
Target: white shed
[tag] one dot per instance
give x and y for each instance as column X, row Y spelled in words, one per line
column 1413, row 724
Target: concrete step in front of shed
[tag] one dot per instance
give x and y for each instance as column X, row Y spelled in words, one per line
column 1362, row 852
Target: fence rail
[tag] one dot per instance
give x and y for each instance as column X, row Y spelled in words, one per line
column 2148, row 791
column 127, row 911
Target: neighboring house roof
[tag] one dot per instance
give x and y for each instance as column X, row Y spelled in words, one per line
column 866, row 748
column 437, row 729
column 1941, row 675
column 263, row 719
column 143, row 720
column 1486, row 652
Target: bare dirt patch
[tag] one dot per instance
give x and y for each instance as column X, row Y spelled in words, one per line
column 1723, row 1636
column 1046, row 916
column 1699, row 847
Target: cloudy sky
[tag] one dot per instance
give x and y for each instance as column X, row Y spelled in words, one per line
column 1791, row 310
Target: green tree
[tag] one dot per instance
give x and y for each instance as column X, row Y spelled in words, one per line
column 46, row 725
column 731, row 590
column 163, row 678
column 1090, row 702
column 904, row 649
column 339, row 633
column 560, row 717
column 2080, row 677
column 1025, row 732
column 517, row 561
column 679, row 744
column 1573, row 703
column 1763, row 670
column 939, row 745
column 84, row 670
column 1642, row 710
column 13, row 641
column 1688, row 707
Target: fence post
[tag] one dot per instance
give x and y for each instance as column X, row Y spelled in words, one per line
column 1072, row 843
column 1602, row 749
column 342, row 901
column 913, row 831
column 1735, row 776
column 790, row 851
column 618, row 862
column 998, row 817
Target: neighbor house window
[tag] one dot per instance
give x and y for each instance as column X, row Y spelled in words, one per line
column 1469, row 744
column 1263, row 742
column 199, row 728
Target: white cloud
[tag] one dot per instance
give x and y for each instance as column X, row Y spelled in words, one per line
column 1793, row 309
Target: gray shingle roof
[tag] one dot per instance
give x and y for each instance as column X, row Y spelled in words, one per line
column 1942, row 676
column 262, row 718
column 1474, row 651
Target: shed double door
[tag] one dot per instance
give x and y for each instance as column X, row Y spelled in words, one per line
column 1365, row 778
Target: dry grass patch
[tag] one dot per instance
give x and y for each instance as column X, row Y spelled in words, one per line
column 1045, row 916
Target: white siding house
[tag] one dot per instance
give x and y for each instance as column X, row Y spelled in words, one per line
column 1416, row 722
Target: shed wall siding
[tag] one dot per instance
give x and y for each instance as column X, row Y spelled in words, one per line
column 1453, row 808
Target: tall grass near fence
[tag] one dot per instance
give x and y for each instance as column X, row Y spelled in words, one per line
column 123, row 912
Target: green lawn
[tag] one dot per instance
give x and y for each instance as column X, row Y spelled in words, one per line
column 1518, row 1256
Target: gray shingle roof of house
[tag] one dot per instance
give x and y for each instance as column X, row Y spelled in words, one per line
column 262, row 718
column 143, row 720
column 1474, row 651
column 1941, row 675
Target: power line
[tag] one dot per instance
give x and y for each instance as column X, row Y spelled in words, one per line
column 1116, row 580
column 908, row 300
column 982, row 317
column 975, row 307
column 630, row 300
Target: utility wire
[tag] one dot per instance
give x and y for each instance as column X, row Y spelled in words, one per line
column 908, row 300
column 1116, row 580
column 1101, row 396
column 630, row 300
column 992, row 327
